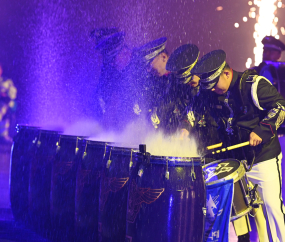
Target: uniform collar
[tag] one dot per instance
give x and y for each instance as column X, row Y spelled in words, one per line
column 167, row 73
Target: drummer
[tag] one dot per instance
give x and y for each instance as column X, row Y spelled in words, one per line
column 247, row 107
column 196, row 120
column 157, row 96
column 110, row 91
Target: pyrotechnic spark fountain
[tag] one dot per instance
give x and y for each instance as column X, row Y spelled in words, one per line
column 264, row 11
column 266, row 25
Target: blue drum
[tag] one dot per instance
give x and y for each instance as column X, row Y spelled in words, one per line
column 63, row 184
column 166, row 200
column 87, row 193
column 40, row 180
column 114, row 194
column 23, row 151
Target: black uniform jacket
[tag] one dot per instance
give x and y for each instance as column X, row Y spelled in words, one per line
column 198, row 121
column 165, row 110
column 251, row 104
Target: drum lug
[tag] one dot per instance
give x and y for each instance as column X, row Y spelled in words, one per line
column 39, row 142
column 140, row 172
column 167, row 175
column 109, row 161
column 131, row 164
column 131, row 160
column 108, row 164
column 247, row 200
column 204, row 211
column 84, row 155
column 85, row 151
column 76, row 147
column 57, row 147
column 193, row 175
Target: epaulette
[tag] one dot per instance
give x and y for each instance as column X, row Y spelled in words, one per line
column 247, row 76
column 251, row 78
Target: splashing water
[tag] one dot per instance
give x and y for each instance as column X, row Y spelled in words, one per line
column 137, row 133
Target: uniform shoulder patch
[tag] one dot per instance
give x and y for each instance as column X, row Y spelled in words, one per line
column 251, row 78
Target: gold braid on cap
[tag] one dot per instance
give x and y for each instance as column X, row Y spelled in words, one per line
column 215, row 75
column 188, row 71
column 154, row 54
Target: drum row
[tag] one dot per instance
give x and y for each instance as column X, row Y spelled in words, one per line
column 70, row 188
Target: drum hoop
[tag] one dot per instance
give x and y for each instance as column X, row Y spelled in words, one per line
column 93, row 143
column 72, row 137
column 123, row 150
column 176, row 161
column 236, row 175
column 243, row 213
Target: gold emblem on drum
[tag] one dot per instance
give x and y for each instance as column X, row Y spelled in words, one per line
column 110, row 185
column 137, row 197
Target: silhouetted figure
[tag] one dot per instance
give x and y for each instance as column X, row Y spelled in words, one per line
column 8, row 94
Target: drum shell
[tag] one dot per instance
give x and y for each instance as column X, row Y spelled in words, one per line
column 40, row 180
column 63, row 184
column 23, row 150
column 175, row 215
column 114, row 195
column 88, row 189
column 5, row 153
column 239, row 202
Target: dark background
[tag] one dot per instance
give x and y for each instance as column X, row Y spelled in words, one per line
column 46, row 49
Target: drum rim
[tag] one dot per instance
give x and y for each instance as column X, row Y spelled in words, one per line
column 119, row 150
column 243, row 213
column 236, row 175
column 176, row 161
column 98, row 143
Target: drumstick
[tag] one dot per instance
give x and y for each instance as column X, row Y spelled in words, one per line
column 231, row 147
column 210, row 147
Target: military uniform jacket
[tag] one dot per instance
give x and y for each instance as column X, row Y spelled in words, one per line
column 165, row 110
column 251, row 104
column 199, row 122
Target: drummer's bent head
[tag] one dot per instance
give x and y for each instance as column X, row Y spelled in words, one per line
column 157, row 66
column 215, row 74
column 155, row 56
column 181, row 63
column 224, row 81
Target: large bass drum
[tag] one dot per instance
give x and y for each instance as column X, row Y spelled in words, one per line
column 40, row 180
column 88, row 179
column 69, row 151
column 166, row 200
column 114, row 194
column 23, row 151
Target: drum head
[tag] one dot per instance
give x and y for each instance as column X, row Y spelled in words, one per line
column 223, row 170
